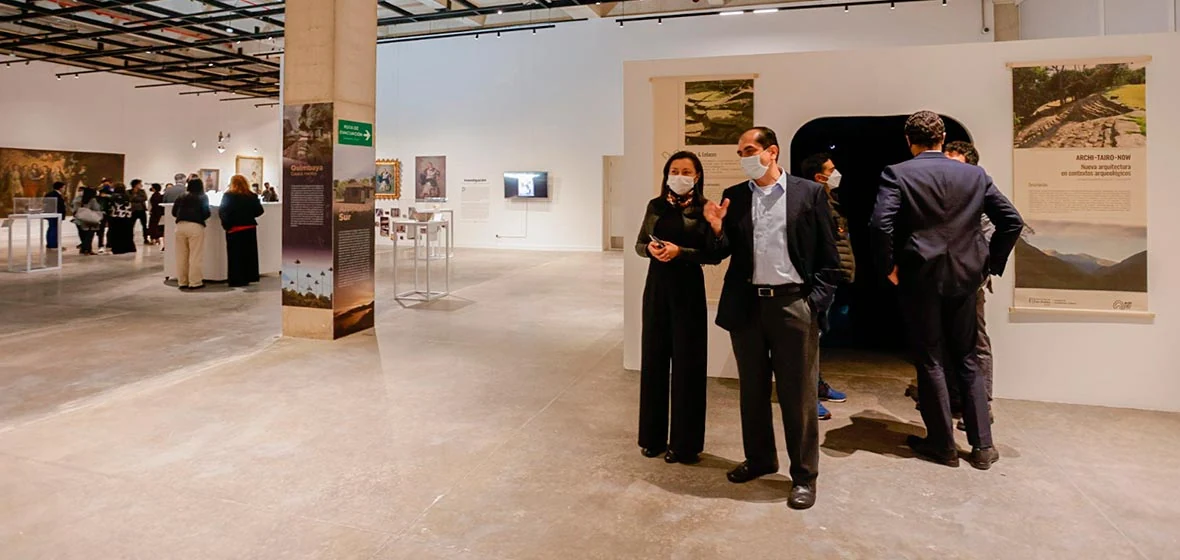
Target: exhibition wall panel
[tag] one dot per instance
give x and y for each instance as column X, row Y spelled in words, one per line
column 1091, row 360
column 153, row 127
column 553, row 102
column 1053, row 19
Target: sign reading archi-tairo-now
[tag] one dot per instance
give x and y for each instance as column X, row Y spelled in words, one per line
column 355, row 133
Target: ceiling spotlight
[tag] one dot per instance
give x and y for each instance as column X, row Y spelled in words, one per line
column 220, row 149
column 846, row 8
column 210, row 64
column 943, row 2
column 59, row 78
column 766, row 11
column 893, row 5
column 194, row 144
column 534, row 32
column 500, row 12
column 732, row 13
column 229, row 30
column 477, row 36
column 660, row 21
column 497, row 34
column 620, row 23
column 76, row 76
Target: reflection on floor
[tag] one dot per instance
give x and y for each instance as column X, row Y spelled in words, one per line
column 138, row 421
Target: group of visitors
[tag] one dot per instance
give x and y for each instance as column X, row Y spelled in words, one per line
column 239, row 211
column 111, row 212
column 788, row 250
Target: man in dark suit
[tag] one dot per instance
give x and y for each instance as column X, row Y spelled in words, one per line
column 783, row 271
column 933, row 205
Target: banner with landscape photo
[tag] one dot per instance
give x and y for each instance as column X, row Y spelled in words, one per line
column 1080, row 180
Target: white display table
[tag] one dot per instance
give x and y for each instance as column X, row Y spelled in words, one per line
column 417, row 231
column 270, row 243
column 29, row 219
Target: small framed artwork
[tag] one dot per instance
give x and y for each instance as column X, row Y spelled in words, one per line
column 249, row 167
column 211, row 178
column 389, row 179
column 397, row 212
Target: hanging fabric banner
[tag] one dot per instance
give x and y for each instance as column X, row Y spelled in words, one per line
column 1080, row 181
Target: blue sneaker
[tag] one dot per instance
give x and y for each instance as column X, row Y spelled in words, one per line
column 827, row 393
column 823, row 412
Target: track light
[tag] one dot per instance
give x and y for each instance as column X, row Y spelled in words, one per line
column 534, row 32
column 194, row 144
column 76, row 76
column 499, row 12
column 210, row 64
column 220, row 149
column 893, row 5
column 477, row 36
column 660, row 21
column 59, row 78
column 943, row 2
column 497, row 34
column 846, row 8
column 229, row 30
column 620, row 23
column 732, row 13
column 766, row 11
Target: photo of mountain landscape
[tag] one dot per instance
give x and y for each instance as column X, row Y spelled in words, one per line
column 1075, row 256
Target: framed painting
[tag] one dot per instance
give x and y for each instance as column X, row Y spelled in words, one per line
column 249, row 167
column 389, row 179
column 211, row 178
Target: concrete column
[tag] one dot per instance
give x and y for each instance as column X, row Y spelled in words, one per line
column 329, row 98
column 1007, row 20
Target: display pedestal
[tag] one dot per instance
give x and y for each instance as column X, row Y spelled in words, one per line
column 42, row 225
column 419, row 231
column 216, row 265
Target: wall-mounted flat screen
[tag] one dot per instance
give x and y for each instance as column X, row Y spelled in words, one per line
column 526, row 184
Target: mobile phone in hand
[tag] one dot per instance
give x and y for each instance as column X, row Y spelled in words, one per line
column 657, row 241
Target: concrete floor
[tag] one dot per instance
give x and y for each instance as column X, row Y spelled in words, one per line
column 140, row 422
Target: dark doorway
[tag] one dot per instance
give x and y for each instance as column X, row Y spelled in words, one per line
column 866, row 314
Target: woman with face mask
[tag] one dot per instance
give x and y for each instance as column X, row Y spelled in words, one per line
column 674, row 238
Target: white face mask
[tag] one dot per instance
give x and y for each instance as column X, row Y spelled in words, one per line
column 753, row 167
column 681, row 184
column 834, row 179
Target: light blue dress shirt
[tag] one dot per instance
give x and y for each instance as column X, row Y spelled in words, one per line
column 772, row 262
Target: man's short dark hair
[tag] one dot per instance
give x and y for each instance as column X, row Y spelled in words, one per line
column 765, row 137
column 814, row 165
column 966, row 149
column 925, row 128
column 58, row 185
column 136, row 183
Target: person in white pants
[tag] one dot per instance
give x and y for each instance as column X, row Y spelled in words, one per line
column 191, row 211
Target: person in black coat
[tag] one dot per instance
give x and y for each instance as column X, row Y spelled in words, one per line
column 931, row 207
column 120, row 233
column 675, row 320
column 53, row 235
column 239, row 212
column 155, row 229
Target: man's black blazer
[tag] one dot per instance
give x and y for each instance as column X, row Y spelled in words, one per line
column 811, row 246
column 932, row 205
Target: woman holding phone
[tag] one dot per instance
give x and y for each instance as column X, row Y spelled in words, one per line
column 675, row 238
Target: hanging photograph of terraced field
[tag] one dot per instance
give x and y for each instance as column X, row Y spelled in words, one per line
column 717, row 112
column 1080, row 106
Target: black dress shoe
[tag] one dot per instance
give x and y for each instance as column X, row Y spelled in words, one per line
column 802, row 496
column 983, row 458
column 745, row 472
column 929, row 451
column 651, row 452
column 685, row 459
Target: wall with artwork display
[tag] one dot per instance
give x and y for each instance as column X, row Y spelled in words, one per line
column 553, row 102
column 154, row 128
column 1103, row 358
column 31, row 173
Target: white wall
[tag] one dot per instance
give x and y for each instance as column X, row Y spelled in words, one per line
column 152, row 126
column 1051, row 19
column 554, row 101
column 1125, row 365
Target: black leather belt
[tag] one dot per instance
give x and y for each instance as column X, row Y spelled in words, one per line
column 782, row 290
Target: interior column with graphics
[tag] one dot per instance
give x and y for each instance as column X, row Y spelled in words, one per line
column 329, row 94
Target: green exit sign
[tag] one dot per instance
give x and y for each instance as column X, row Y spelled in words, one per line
column 355, row 133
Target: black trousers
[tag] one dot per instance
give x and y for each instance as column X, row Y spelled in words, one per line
column 942, row 332
column 781, row 348
column 141, row 217
column 675, row 354
column 241, row 252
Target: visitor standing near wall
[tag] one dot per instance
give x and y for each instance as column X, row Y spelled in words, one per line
column 191, row 211
column 239, row 212
column 139, row 200
column 121, row 232
column 674, row 237
column 54, row 233
column 155, row 228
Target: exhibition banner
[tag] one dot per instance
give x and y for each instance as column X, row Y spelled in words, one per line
column 1080, row 181
column 31, row 173
column 704, row 115
column 308, row 267
column 354, row 194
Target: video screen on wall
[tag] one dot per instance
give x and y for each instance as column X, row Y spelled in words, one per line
column 526, row 184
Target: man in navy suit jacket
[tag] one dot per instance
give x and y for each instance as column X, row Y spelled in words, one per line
column 931, row 205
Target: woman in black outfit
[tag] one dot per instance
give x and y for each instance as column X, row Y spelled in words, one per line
column 676, row 238
column 239, row 211
column 120, row 234
column 155, row 230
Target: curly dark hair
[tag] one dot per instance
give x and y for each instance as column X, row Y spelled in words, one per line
column 925, row 128
column 966, row 149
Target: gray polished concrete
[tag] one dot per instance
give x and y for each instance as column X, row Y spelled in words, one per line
column 140, row 422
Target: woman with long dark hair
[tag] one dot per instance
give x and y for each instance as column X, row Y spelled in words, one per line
column 87, row 216
column 120, row 216
column 676, row 238
column 156, row 213
column 239, row 212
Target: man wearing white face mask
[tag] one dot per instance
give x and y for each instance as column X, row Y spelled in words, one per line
column 782, row 275
column 819, row 168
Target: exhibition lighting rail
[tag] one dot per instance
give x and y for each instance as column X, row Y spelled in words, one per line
column 846, row 6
